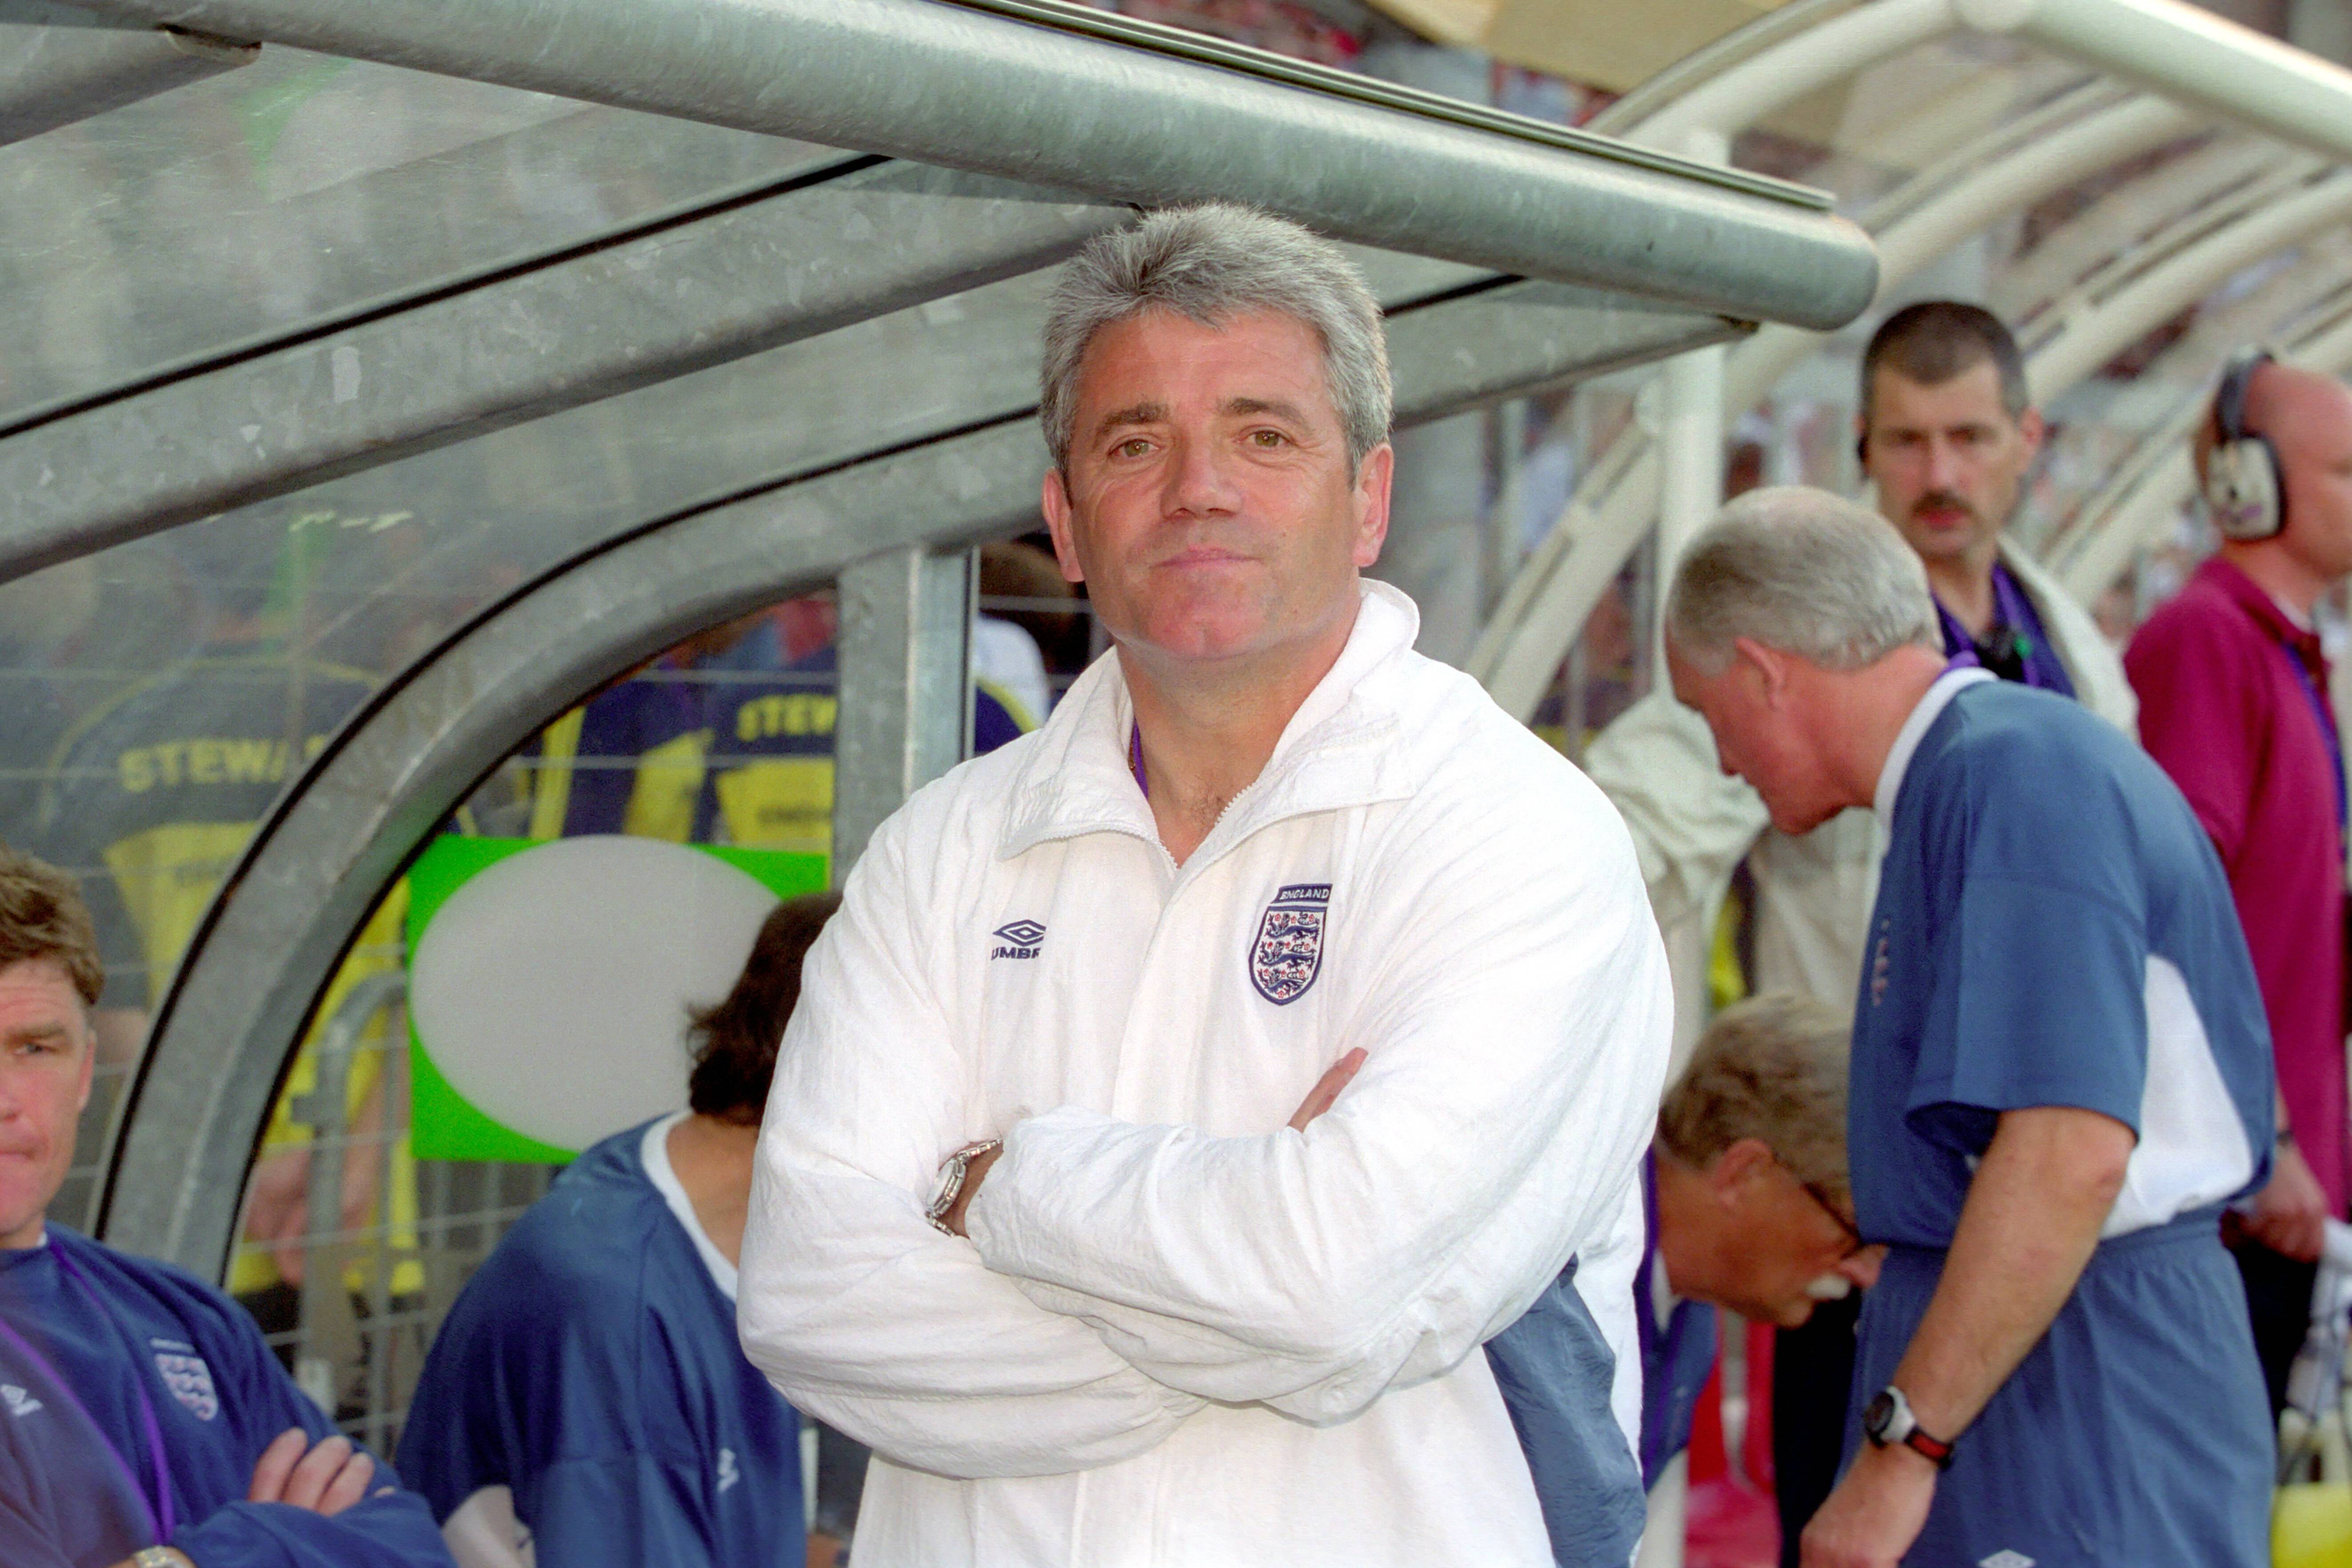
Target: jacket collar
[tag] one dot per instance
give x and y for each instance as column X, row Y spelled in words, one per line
column 1333, row 754
column 2255, row 600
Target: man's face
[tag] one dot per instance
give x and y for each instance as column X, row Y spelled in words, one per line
column 1782, row 1248
column 1947, row 459
column 2314, row 440
column 46, row 1054
column 1209, row 506
column 1754, row 714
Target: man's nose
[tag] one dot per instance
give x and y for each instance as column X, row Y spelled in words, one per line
column 1944, row 467
column 1863, row 1267
column 1200, row 480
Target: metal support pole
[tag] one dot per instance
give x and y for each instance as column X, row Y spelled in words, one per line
column 59, row 65
column 1045, row 104
column 906, row 686
column 2187, row 53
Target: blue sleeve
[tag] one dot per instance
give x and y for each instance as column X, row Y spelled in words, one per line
column 1555, row 1372
column 2042, row 964
column 622, row 1512
column 23, row 1542
column 393, row 1531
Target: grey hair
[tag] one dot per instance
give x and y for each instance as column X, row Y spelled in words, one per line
column 1805, row 572
column 1211, row 263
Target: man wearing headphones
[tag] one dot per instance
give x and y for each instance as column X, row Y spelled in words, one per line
column 2233, row 703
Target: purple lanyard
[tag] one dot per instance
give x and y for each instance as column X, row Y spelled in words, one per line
column 2327, row 725
column 1135, row 759
column 162, row 1518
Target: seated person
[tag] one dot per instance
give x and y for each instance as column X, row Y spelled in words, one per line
column 143, row 1420
column 1748, row 1209
column 588, row 1384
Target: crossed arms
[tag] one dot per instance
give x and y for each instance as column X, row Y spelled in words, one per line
column 1119, row 1275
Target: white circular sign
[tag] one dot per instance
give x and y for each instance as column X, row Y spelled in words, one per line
column 552, row 989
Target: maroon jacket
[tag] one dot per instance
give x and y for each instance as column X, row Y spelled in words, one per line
column 2232, row 704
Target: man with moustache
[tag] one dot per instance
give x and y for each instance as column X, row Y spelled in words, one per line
column 1060, row 1205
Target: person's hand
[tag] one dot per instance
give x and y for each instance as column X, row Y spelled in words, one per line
column 1326, row 1093
column 324, row 1479
column 2290, row 1215
column 1875, row 1513
column 277, row 1209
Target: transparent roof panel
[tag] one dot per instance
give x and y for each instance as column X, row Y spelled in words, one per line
column 1862, row 136
column 302, row 187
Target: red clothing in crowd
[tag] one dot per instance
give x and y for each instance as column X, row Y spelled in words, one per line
column 2249, row 740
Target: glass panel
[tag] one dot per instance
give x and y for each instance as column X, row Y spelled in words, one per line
column 382, row 1186
column 303, row 186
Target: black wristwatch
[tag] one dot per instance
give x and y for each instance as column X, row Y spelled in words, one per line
column 1887, row 1420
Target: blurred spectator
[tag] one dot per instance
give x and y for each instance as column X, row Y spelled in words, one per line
column 587, row 1385
column 146, row 1415
column 2233, row 690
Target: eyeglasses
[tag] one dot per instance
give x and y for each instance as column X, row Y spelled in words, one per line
column 1854, row 1243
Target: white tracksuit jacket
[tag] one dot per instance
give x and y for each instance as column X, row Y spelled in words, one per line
column 1183, row 1334
column 1693, row 826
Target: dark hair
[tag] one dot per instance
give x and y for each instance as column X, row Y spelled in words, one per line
column 1935, row 340
column 42, row 915
column 735, row 1054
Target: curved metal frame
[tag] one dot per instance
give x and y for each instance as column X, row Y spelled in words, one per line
column 317, row 866
column 1121, row 123
column 316, row 869
column 1545, row 607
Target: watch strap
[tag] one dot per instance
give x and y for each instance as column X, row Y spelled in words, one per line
column 1888, row 1420
column 1936, row 1450
column 952, row 1172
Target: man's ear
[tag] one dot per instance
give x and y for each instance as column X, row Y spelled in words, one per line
column 1738, row 1165
column 1056, row 504
column 1374, row 476
column 88, row 1064
column 1771, row 667
column 2032, row 429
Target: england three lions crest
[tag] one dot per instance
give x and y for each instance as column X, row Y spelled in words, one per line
column 1289, row 946
column 186, row 1375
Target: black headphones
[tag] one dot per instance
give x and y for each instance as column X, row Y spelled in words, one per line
column 2245, row 489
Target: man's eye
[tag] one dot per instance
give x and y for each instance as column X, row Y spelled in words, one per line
column 1133, row 448
column 1269, row 438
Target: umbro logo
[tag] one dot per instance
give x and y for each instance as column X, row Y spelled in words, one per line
column 19, row 1403
column 1019, row 939
column 729, row 1471
column 2006, row 1559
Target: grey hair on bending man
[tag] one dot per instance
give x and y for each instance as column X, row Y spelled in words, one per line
column 1212, row 263
column 1803, row 570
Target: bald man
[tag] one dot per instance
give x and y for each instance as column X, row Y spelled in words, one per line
column 2233, row 690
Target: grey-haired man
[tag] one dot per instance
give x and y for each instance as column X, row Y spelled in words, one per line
column 1184, row 1293
column 2060, row 1072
